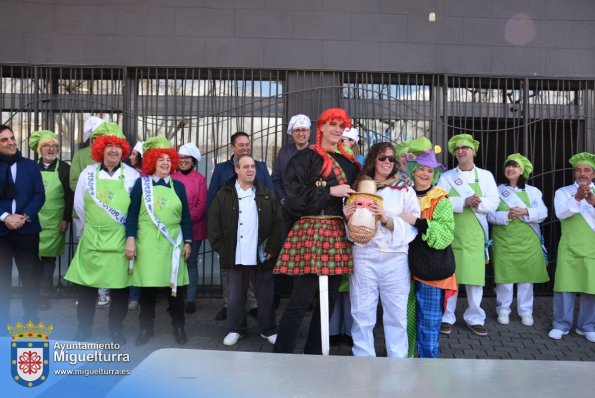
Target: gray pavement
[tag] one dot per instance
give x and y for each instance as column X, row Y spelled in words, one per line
column 513, row 341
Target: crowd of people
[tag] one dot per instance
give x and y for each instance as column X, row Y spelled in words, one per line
column 351, row 230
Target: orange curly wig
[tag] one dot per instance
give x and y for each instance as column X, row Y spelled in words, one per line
column 327, row 115
column 99, row 144
column 150, row 159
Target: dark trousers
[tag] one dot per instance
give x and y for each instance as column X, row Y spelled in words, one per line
column 286, row 225
column 46, row 281
column 86, row 308
column 238, row 278
column 25, row 251
column 305, row 292
column 148, row 298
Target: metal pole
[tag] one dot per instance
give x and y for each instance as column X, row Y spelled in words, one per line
column 324, row 313
column 526, row 117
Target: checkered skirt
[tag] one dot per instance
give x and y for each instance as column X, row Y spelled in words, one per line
column 316, row 245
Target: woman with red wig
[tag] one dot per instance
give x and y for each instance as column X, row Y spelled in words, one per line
column 101, row 202
column 159, row 231
column 317, row 180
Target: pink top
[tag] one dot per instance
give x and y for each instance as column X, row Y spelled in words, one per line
column 196, row 192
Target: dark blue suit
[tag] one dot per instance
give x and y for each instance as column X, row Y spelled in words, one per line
column 22, row 244
column 30, row 196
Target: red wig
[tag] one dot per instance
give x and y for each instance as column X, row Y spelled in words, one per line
column 328, row 115
column 99, row 144
column 150, row 159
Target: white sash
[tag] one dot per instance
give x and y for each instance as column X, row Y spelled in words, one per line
column 511, row 199
column 464, row 191
column 147, row 186
column 586, row 210
column 92, row 189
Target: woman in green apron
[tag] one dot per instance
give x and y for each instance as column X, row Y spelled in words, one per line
column 101, row 201
column 159, row 231
column 517, row 252
column 56, row 213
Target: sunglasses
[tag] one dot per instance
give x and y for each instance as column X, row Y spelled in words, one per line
column 382, row 158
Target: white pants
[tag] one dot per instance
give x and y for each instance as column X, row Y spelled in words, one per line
column 524, row 298
column 384, row 275
column 474, row 314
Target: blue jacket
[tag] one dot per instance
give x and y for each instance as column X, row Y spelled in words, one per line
column 30, row 196
column 225, row 170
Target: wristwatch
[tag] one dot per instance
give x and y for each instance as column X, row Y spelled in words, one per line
column 27, row 218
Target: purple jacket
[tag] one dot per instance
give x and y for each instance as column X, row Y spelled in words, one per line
column 196, row 191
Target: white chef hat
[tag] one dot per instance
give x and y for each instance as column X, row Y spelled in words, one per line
column 90, row 125
column 190, row 149
column 139, row 147
column 351, row 133
column 298, row 121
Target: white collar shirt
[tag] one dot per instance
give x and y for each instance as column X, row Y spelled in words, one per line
column 247, row 235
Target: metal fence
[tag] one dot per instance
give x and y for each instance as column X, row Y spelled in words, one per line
column 546, row 119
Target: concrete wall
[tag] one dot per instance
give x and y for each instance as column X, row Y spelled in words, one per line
column 486, row 37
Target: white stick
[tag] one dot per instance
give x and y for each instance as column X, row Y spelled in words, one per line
column 324, row 316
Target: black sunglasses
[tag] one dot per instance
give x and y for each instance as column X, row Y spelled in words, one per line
column 391, row 159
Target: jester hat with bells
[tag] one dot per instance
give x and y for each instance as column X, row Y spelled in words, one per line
column 423, row 153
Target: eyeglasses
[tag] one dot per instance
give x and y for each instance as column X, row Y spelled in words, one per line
column 300, row 131
column 462, row 148
column 55, row 147
column 382, row 158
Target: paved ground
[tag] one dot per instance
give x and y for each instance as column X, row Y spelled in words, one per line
column 512, row 341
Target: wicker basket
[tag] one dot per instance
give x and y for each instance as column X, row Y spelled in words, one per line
column 361, row 234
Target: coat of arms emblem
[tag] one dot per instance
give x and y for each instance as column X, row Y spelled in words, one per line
column 30, row 353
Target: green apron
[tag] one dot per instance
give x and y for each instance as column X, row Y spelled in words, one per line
column 575, row 269
column 152, row 266
column 469, row 244
column 100, row 259
column 51, row 241
column 516, row 254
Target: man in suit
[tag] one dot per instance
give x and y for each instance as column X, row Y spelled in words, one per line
column 240, row 145
column 21, row 197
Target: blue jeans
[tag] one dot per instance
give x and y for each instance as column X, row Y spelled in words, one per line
column 192, row 265
column 134, row 293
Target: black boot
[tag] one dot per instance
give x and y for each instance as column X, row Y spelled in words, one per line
column 118, row 337
column 190, row 308
column 144, row 336
column 180, row 335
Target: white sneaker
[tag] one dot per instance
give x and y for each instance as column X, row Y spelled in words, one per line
column 527, row 320
column 232, row 338
column 103, row 301
column 588, row 335
column 556, row 334
column 503, row 319
column 271, row 339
